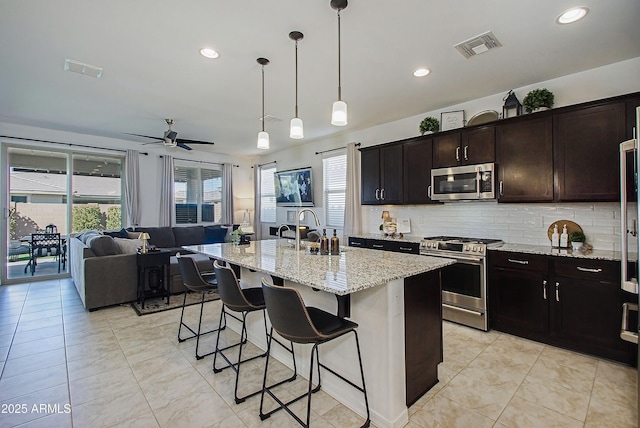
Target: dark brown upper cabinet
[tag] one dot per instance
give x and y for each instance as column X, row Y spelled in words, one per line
column 524, row 158
column 417, row 170
column 381, row 172
column 467, row 147
column 586, row 154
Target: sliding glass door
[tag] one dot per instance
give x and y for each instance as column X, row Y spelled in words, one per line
column 37, row 213
column 50, row 195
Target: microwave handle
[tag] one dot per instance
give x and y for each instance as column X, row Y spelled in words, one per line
column 478, row 180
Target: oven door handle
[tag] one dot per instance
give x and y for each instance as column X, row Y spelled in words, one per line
column 458, row 308
column 456, row 257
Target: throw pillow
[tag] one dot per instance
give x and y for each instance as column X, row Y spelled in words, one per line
column 84, row 236
column 214, row 234
column 133, row 235
column 103, row 245
column 122, row 233
column 128, row 246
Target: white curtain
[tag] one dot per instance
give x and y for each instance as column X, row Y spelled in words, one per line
column 227, row 194
column 132, row 187
column 167, row 209
column 352, row 209
column 256, row 209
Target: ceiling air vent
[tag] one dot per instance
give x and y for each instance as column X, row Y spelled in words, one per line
column 82, row 68
column 478, row 44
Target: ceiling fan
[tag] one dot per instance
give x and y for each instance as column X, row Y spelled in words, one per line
column 170, row 139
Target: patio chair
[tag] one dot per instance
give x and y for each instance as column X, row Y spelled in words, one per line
column 43, row 245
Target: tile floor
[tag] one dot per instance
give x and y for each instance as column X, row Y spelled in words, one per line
column 63, row 366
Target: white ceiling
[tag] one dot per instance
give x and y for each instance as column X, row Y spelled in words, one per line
column 149, row 50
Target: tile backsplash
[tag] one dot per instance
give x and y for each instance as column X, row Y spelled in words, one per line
column 513, row 223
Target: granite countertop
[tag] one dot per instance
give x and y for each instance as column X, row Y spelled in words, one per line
column 354, row 269
column 548, row 251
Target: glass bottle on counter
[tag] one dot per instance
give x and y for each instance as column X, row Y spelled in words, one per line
column 335, row 243
column 324, row 243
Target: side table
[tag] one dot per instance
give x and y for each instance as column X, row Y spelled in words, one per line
column 153, row 275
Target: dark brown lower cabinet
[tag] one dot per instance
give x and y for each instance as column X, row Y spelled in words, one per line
column 422, row 333
column 573, row 303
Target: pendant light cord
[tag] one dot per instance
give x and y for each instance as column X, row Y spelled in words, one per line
column 296, row 78
column 339, row 61
column 262, row 98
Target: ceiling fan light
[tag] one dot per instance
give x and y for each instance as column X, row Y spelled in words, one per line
column 263, row 140
column 296, row 131
column 339, row 113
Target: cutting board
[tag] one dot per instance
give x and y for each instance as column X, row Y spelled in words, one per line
column 571, row 227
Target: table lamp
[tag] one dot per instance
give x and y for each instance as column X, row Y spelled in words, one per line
column 145, row 237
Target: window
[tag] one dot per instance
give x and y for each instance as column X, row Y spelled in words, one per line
column 334, row 172
column 197, row 194
column 267, row 196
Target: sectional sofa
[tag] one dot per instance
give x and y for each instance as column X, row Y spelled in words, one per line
column 104, row 267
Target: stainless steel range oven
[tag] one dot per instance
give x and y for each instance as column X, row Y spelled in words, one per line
column 464, row 284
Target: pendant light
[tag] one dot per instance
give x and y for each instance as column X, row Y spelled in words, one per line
column 296, row 131
column 263, row 136
column 339, row 113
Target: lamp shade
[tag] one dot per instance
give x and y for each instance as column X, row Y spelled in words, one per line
column 296, row 131
column 339, row 113
column 263, row 140
column 144, row 236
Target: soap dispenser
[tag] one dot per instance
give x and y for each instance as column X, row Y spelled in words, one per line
column 564, row 237
column 335, row 243
column 555, row 237
column 324, row 243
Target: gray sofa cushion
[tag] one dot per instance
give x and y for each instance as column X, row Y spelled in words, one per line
column 128, row 246
column 189, row 235
column 103, row 245
column 161, row 237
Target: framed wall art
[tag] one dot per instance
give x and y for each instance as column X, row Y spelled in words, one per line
column 451, row 120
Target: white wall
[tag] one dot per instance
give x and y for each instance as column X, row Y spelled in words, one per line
column 521, row 223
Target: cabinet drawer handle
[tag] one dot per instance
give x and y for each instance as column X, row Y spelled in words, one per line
column 520, row 262
column 377, row 246
column 382, row 194
column 377, row 194
column 458, row 154
column 557, row 292
column 356, row 244
column 544, row 289
column 583, row 269
column 406, row 248
column 465, row 152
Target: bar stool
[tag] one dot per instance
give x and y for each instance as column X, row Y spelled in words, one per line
column 196, row 282
column 305, row 324
column 243, row 300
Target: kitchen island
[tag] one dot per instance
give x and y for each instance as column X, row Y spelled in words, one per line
column 395, row 298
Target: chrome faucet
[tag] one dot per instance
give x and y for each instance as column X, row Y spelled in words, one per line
column 298, row 224
column 280, row 229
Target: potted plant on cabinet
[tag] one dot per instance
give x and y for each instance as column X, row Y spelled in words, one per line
column 429, row 125
column 538, row 99
column 577, row 239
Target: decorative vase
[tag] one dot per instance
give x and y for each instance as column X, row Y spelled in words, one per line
column 576, row 245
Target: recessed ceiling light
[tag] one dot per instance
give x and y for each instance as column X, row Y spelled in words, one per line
column 209, row 53
column 572, row 15
column 421, row 72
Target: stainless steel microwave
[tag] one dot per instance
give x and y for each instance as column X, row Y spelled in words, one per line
column 470, row 182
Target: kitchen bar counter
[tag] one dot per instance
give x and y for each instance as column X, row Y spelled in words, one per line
column 395, row 298
column 354, row 269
